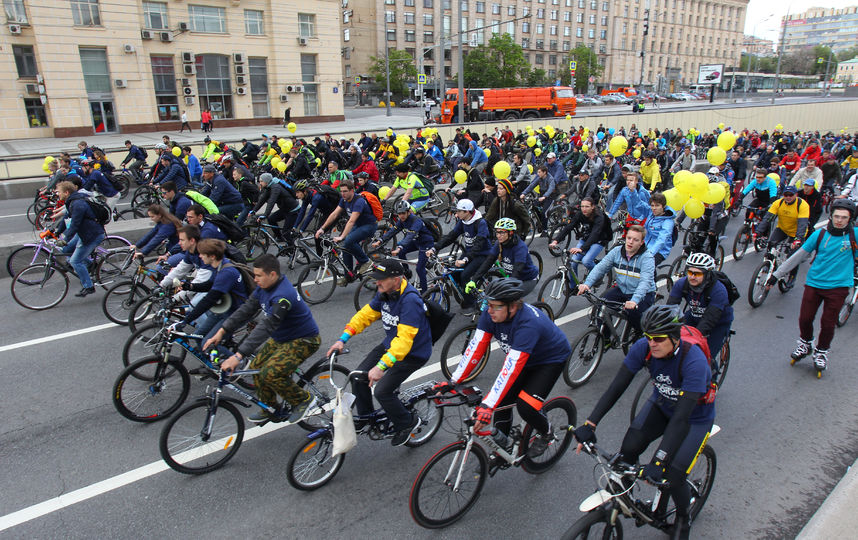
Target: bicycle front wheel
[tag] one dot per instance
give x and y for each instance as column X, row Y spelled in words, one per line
column 150, row 389
column 448, row 485
column 25, row 256
column 846, row 309
column 317, row 283
column 587, row 352
column 741, row 242
column 757, row 288
column 561, row 414
column 40, row 286
column 318, row 382
column 145, row 341
column 595, row 524
column 196, row 441
column 701, row 478
column 454, row 348
column 121, row 299
column 112, row 267
column 723, row 362
column 555, row 292
column 431, row 417
column 312, row 464
column 364, row 293
column 436, row 293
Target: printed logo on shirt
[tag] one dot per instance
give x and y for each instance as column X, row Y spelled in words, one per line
column 664, row 385
column 388, row 319
column 503, row 342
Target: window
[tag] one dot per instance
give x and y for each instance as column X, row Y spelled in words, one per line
column 347, row 35
column 538, row 59
column 25, row 61
column 481, row 7
column 390, row 16
column 625, row 28
column 15, row 12
column 540, row 13
column 510, row 29
column 96, row 75
column 428, row 20
column 603, row 49
column 592, row 19
column 36, row 114
column 540, row 28
column 553, row 30
column 155, row 15
column 510, row 10
column 603, row 34
column 409, row 36
column 214, row 84
column 389, row 2
column 428, row 3
column 580, row 4
column 259, row 86
column 552, row 59
column 567, row 45
column 409, row 18
column 391, row 35
column 306, row 25
column 166, row 97
column 409, row 3
column 525, row 27
column 525, row 43
column 553, row 15
column 311, row 90
column 579, row 18
column 604, row 6
column 591, row 33
column 540, row 44
column 593, row 4
column 567, row 16
column 207, row 19
column 85, row 13
column 579, row 32
column 552, row 45
column 428, row 36
column 463, row 5
column 253, row 22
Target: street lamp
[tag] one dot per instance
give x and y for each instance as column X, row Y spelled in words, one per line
column 753, row 35
column 387, row 67
column 780, row 54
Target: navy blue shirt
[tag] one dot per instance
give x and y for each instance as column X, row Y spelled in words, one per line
column 298, row 322
column 512, row 255
column 210, row 230
column 96, row 181
column 228, row 280
column 179, row 205
column 407, row 309
column 223, row 192
column 359, row 204
column 417, row 235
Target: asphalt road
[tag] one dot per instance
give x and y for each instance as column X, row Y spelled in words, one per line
column 79, row 470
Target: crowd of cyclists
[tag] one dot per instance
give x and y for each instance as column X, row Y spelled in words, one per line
column 376, row 198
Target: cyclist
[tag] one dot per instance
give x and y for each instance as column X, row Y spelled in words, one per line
column 165, row 230
column 416, row 237
column 363, row 182
column 593, row 230
column 276, row 193
column 810, row 172
column 406, row 347
column 138, row 155
column 196, row 216
column 505, row 205
column 634, row 195
column 585, row 187
column 510, row 254
column 475, row 157
column 635, row 269
column 312, row 201
column 95, row 181
column 473, row 231
column 367, row 165
column 415, row 192
column 170, row 170
column 360, row 226
column 222, row 192
column 829, row 279
column 188, row 261
column 650, row 171
column 765, row 190
column 659, row 228
column 809, row 194
column 792, row 214
column 536, row 350
column 707, row 305
column 82, row 233
column 680, row 375
column 195, row 170
column 335, row 175
column 285, row 336
column 547, row 191
column 423, row 164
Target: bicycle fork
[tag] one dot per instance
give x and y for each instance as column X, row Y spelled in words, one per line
column 461, row 469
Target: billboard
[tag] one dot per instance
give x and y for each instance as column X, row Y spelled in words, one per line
column 710, row 73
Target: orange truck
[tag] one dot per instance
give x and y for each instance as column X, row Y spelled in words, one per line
column 510, row 103
column 627, row 91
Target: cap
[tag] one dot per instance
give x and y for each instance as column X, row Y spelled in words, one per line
column 209, row 168
column 628, row 167
column 584, row 172
column 790, row 189
column 402, row 167
column 160, row 146
column 809, row 182
column 465, row 204
column 264, row 135
column 419, row 150
column 714, row 170
column 551, row 155
column 387, row 268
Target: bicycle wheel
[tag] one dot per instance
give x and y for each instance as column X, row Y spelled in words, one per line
column 562, row 246
column 454, row 348
column 312, row 465
column 145, row 341
column 636, row 402
column 723, row 362
column 113, row 241
column 757, row 288
column 561, row 414
column 316, row 283
column 293, row 260
column 112, row 267
column 677, row 268
column 662, row 292
column 437, row 293
column 197, row 441
column 140, row 311
column 555, row 292
column 431, row 416
column 121, row 299
column 25, row 256
column 846, row 309
column 319, row 385
column 40, row 286
column 144, row 197
column 719, row 257
column 448, row 485
column 545, row 308
column 252, row 246
column 445, row 201
column 364, row 293
column 595, row 524
column 741, row 242
column 149, row 389
column 587, row 352
column 537, row 260
column 701, row 478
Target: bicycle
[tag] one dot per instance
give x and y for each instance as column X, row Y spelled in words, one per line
column 747, row 233
column 123, row 297
column 774, row 257
column 449, row 484
column 318, row 280
column 603, row 333
column 849, row 304
column 37, row 253
column 621, row 489
column 197, row 432
column 145, row 196
column 312, row 464
column 293, row 250
column 558, row 288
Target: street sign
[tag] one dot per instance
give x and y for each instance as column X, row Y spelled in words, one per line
column 357, row 79
column 572, row 73
column 573, row 65
column 592, row 79
column 710, row 74
column 421, row 79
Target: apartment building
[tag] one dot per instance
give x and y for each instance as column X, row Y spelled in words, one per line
column 76, row 67
column 847, row 72
column 835, row 28
column 758, row 46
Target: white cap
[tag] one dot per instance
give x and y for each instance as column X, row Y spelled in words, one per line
column 465, row 204
column 551, row 155
column 714, row 170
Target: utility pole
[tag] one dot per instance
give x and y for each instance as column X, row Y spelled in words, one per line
column 780, row 55
column 387, row 67
column 643, row 43
column 460, row 60
column 826, row 87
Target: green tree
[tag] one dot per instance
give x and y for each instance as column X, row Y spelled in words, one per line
column 537, row 77
column 848, row 54
column 588, row 65
column 402, row 69
column 500, row 64
column 759, row 64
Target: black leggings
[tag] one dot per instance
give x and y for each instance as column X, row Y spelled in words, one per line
column 528, row 392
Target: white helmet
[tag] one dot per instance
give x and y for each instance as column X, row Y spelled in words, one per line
column 703, row 261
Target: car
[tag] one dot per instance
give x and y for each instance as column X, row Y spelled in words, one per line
column 623, row 99
column 589, row 101
column 612, row 98
column 408, row 102
column 681, row 96
column 429, row 101
column 712, row 76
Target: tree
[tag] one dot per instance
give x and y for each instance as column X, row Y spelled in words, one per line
column 848, row 54
column 759, row 64
column 588, row 65
column 500, row 64
column 402, row 69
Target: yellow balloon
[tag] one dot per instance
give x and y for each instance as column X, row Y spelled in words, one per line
column 287, row 147
column 271, row 151
column 97, row 166
column 779, row 127
column 530, row 132
column 584, row 147
column 502, row 169
column 727, row 140
column 537, row 152
column 488, row 152
column 281, row 166
column 399, row 160
column 694, row 208
column 383, row 191
column 291, row 127
column 530, row 168
column 276, row 161
column 720, row 125
column 618, row 145
column 714, row 194
column 461, row 177
column 531, row 141
column 45, row 167
column 372, row 155
column 716, row 155
column 675, row 199
column 49, row 159
column 568, row 117
column 637, row 153
column 698, row 185
column 176, row 151
column 381, row 104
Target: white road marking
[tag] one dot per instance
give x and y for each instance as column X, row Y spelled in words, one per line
column 55, row 337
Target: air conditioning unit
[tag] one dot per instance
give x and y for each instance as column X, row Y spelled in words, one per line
column 183, row 26
column 293, row 88
column 32, row 88
column 299, row 88
column 187, row 57
column 240, row 70
column 284, row 98
column 165, row 36
column 15, row 29
column 128, row 48
column 189, row 100
column 303, row 41
column 120, row 83
column 241, row 80
column 189, row 69
column 241, row 90
column 188, row 91
column 146, row 34
column 186, row 82
column 239, row 58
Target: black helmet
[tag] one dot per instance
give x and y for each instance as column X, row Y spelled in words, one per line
column 504, row 290
column 662, row 319
column 845, row 204
column 401, row 207
column 362, row 175
column 649, row 154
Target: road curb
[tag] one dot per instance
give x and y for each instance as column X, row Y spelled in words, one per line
column 836, row 517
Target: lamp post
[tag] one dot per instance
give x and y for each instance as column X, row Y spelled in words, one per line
column 387, row 67
column 780, row 54
column 753, row 35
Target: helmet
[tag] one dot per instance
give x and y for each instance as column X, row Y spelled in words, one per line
column 703, row 261
column 714, row 170
column 362, row 175
column 160, row 146
column 506, row 224
column 662, row 319
column 206, row 140
column 87, row 162
column 401, row 207
column 504, row 290
column 845, row 204
column 300, row 185
column 649, row 154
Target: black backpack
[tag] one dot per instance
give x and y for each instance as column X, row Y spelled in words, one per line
column 100, row 210
column 732, row 292
column 228, row 227
column 431, row 223
column 235, row 254
column 428, row 184
column 439, row 319
column 330, row 194
column 145, row 153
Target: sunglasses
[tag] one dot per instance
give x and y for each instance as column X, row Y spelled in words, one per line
column 789, row 195
column 693, row 273
column 657, row 339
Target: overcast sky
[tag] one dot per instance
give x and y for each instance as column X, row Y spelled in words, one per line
column 761, row 9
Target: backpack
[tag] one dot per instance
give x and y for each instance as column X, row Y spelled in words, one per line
column 145, row 153
column 246, row 275
column 115, row 182
column 234, row 254
column 426, row 183
column 230, row 228
column 434, row 227
column 733, row 293
column 100, row 210
column 203, row 201
column 375, row 204
column 439, row 319
column 330, row 194
column 692, row 336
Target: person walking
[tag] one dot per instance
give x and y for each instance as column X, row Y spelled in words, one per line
column 287, row 116
column 185, row 123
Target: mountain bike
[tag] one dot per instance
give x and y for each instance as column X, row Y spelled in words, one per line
column 121, row 298
column 145, row 196
column 557, row 289
column 37, row 253
column 747, row 233
column 622, row 493
column 293, row 249
column 450, row 483
column 775, row 256
column 318, row 279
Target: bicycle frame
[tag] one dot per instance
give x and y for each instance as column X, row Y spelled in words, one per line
column 598, row 317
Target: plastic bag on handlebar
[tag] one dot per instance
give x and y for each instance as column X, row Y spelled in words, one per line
column 345, row 436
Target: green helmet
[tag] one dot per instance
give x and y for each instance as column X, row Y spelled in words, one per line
column 506, row 224
column 300, row 185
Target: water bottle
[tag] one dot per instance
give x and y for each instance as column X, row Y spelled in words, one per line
column 501, row 438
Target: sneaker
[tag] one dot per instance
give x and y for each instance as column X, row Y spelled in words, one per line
column 259, row 417
column 401, row 436
column 540, row 444
column 820, row 359
column 342, row 282
column 364, row 268
column 802, row 349
column 86, row 291
column 299, row 411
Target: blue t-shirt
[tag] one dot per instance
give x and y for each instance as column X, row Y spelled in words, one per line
column 664, row 372
column 696, row 302
column 298, row 322
column 530, row 332
column 407, row 309
column 228, row 280
column 359, row 204
column 513, row 255
column 833, row 265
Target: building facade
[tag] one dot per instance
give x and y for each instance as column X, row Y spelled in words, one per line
column 76, row 67
column 847, row 72
column 758, row 46
column 834, row 28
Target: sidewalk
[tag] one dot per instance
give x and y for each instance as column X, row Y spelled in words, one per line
column 836, row 517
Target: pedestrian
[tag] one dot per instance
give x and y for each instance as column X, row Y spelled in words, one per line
column 287, row 116
column 206, row 118
column 428, row 111
column 655, row 100
column 185, row 123
column 210, row 120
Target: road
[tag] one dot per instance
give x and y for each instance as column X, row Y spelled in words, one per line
column 75, row 469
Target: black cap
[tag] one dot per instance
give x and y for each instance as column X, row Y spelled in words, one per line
column 402, row 167
column 387, row 268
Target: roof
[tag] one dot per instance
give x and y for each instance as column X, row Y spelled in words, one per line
column 853, row 61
